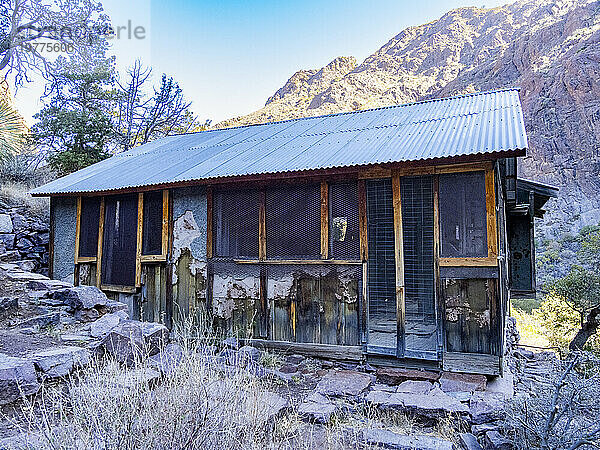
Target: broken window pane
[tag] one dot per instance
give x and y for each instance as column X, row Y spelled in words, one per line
column 120, row 240
column 152, row 229
column 88, row 227
column 344, row 240
column 463, row 219
column 235, row 223
column 293, row 221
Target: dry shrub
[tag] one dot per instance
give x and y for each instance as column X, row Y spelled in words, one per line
column 16, row 194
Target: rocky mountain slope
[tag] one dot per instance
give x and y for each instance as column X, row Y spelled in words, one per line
column 548, row 48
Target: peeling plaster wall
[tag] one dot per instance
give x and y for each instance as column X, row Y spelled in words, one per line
column 65, row 224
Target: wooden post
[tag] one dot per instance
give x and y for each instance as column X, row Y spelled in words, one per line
column 362, row 220
column 439, row 301
column 209, row 223
column 165, row 223
column 77, row 230
column 324, row 220
column 138, row 250
column 399, row 256
column 490, row 201
column 100, row 242
column 262, row 231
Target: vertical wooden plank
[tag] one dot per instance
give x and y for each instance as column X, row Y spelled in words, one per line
column 364, row 302
column 263, row 312
column 362, row 221
column 262, row 231
column 165, row 222
column 308, row 317
column 490, row 201
column 399, row 254
column 77, row 230
column 324, row 220
column 169, row 270
column 440, row 311
column 209, row 223
column 138, row 250
column 100, row 242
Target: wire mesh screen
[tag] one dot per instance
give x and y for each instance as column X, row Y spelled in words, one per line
column 152, row 229
column 381, row 265
column 293, row 222
column 463, row 222
column 235, row 223
column 344, row 240
column 88, row 227
column 120, row 240
column 417, row 230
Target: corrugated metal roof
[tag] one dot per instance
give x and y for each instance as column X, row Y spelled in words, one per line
column 480, row 123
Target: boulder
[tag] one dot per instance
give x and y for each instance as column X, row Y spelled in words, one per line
column 272, row 405
column 317, row 408
column 389, row 439
column 131, row 340
column 469, row 442
column 250, row 353
column 17, row 377
column 8, row 306
column 47, row 285
column 486, row 407
column 495, row 441
column 86, row 315
column 41, row 321
column 6, row 224
column 483, row 428
column 462, row 382
column 168, row 360
column 113, row 306
column 395, row 375
column 61, row 361
column 104, row 325
column 80, row 297
column 338, row 383
column 232, row 343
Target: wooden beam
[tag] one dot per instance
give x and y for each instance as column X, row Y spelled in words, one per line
column 262, row 229
column 362, row 220
column 209, row 223
column 337, row 352
column 468, row 262
column 86, row 259
column 77, row 230
column 471, row 363
column 324, row 220
column 375, row 172
column 165, row 223
column 152, row 258
column 118, row 288
column 490, row 201
column 100, row 243
column 138, row 249
column 364, row 302
column 399, row 258
column 299, row 261
column 439, row 300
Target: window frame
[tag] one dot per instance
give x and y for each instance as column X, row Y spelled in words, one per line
column 140, row 258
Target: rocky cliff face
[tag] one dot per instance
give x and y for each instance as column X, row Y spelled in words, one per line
column 549, row 48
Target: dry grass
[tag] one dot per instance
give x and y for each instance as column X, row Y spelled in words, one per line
column 17, row 194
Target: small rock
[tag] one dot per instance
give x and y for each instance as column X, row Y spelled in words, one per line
column 6, row 224
column 395, row 375
column 8, row 306
column 167, row 361
column 294, row 359
column 81, row 297
column 433, row 405
column 289, row 368
column 113, row 306
column 415, row 387
column 495, row 441
column 250, row 353
column 462, row 382
column 232, row 343
column 28, row 331
column 25, row 276
column 464, row 397
column 133, row 378
column 9, row 256
column 317, row 408
column 87, row 315
column 343, row 383
column 483, row 428
column 17, row 376
column 389, row 439
column 469, row 442
column 75, row 338
column 42, row 321
column 273, row 405
column 27, row 265
column 104, row 325
column 61, row 361
column 486, row 407
column 133, row 339
column 47, row 285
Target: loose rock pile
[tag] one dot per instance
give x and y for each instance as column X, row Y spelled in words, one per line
column 23, row 239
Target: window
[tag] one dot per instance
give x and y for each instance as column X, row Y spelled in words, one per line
column 344, row 240
column 463, row 215
column 293, row 222
column 89, row 218
column 152, row 232
column 235, row 223
column 119, row 240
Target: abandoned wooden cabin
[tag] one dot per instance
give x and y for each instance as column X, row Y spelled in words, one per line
column 397, row 234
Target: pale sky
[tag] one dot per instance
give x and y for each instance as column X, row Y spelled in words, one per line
column 230, row 56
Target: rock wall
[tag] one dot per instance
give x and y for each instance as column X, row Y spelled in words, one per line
column 24, row 238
